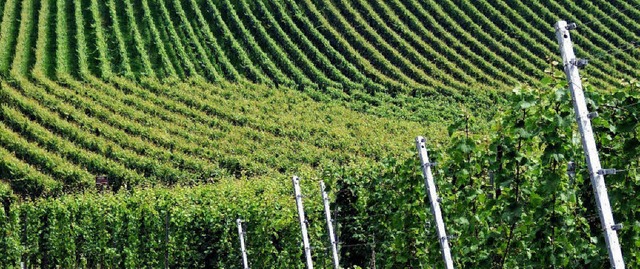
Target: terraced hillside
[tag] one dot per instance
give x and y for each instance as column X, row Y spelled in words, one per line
column 186, row 91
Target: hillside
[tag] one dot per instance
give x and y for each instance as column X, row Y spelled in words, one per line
column 190, row 91
column 164, row 97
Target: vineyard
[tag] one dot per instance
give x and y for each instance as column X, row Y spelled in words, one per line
column 198, row 112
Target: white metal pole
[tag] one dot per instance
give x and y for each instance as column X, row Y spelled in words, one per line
column 332, row 239
column 303, row 222
column 245, row 261
column 435, row 201
column 583, row 117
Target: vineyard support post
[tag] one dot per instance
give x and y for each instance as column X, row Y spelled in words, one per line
column 241, row 233
column 23, row 263
column 430, row 187
column 166, row 239
column 332, row 239
column 583, row 117
column 303, row 221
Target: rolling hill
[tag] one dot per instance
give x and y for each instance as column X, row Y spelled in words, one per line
column 157, row 93
column 188, row 91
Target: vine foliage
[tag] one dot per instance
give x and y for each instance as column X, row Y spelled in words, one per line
column 508, row 200
column 508, row 197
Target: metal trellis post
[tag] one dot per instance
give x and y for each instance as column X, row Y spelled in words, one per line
column 332, row 239
column 435, row 201
column 245, row 261
column 303, row 221
column 583, row 117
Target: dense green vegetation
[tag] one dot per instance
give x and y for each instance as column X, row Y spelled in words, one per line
column 168, row 91
column 163, row 94
column 507, row 197
column 153, row 228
